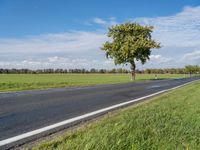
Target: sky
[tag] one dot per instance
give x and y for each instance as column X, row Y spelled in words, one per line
column 38, row 34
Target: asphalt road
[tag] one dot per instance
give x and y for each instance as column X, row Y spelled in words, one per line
column 21, row 112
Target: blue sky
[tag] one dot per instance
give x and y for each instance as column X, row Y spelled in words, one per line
column 68, row 33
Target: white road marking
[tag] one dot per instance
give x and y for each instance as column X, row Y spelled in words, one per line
column 65, row 122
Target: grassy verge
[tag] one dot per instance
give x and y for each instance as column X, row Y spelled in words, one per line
column 170, row 121
column 17, row 82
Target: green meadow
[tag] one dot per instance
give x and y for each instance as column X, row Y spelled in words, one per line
column 168, row 122
column 17, row 82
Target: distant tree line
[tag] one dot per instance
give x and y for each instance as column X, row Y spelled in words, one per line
column 190, row 69
column 47, row 71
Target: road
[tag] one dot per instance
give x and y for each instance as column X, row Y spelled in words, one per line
column 21, row 112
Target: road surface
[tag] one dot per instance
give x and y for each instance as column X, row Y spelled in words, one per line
column 22, row 112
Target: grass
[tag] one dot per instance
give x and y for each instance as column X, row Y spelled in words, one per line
column 170, row 121
column 17, row 82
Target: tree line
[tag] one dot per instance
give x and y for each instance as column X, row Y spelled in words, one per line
column 190, row 69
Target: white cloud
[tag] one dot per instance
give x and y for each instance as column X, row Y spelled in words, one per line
column 99, row 21
column 53, row 59
column 75, row 49
column 156, row 61
column 159, row 59
column 58, row 62
column 71, row 42
column 105, row 23
column 180, row 30
column 192, row 58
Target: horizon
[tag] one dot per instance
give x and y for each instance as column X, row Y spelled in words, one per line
column 69, row 34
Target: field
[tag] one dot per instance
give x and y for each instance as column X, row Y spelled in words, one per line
column 17, row 82
column 170, row 121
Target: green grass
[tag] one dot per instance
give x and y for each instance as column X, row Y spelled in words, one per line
column 168, row 122
column 16, row 82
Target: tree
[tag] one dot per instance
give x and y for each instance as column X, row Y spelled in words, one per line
column 191, row 69
column 130, row 42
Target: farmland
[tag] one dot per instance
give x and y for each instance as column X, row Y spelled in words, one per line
column 17, row 82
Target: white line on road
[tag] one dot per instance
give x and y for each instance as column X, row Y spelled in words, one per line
column 78, row 118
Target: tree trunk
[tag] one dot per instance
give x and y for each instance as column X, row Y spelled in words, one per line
column 133, row 71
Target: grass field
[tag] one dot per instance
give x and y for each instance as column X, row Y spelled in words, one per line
column 16, row 82
column 170, row 121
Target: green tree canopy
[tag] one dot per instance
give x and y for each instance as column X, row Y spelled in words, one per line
column 192, row 69
column 130, row 42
